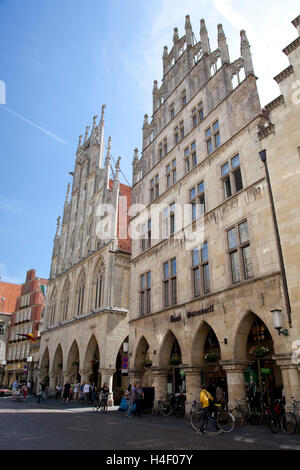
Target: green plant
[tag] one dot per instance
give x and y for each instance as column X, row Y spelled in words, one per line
column 259, row 351
column 174, row 361
column 75, row 363
column 211, row 357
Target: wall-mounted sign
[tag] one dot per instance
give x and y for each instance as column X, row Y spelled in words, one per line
column 202, row 311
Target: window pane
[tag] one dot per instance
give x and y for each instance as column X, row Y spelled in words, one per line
column 168, row 168
column 209, row 147
column 187, row 165
column 149, row 279
column 235, row 267
column 192, row 193
column 186, row 152
column 143, row 281
column 217, row 140
column 193, row 146
column 227, row 187
column 156, row 178
column 201, row 187
column 202, row 204
column 208, row 133
column 247, row 262
column 174, row 291
column 204, row 252
column 166, row 270
column 225, row 169
column 243, row 232
column 196, row 281
column 173, row 267
column 235, row 161
column 206, row 278
column 194, row 211
column 166, row 293
column 216, row 126
column 238, row 180
column 194, row 159
column 232, row 241
column 195, row 257
column 173, row 163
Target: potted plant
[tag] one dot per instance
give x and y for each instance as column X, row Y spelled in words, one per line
column 60, row 366
column 75, row 364
column 175, row 361
column 211, row 357
column 259, row 351
column 147, row 363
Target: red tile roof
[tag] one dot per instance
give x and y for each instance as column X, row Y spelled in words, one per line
column 8, row 296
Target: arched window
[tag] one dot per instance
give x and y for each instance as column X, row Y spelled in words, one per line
column 52, row 308
column 80, row 293
column 65, row 301
column 98, row 285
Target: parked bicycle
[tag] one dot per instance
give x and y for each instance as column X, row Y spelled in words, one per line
column 248, row 415
column 274, row 414
column 161, row 407
column 224, row 417
column 289, row 420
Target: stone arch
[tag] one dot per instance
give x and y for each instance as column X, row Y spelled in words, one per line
column 198, row 343
column 242, row 333
column 73, row 361
column 141, row 351
column 44, row 366
column 166, row 348
column 57, row 365
column 92, row 354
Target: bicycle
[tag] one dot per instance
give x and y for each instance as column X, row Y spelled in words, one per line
column 242, row 416
column 273, row 415
column 224, row 417
column 289, row 419
column 161, row 407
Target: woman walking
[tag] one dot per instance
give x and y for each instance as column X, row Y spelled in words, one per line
column 66, row 393
column 130, row 400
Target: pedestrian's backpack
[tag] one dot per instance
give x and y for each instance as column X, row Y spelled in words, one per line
column 123, row 405
column 211, row 402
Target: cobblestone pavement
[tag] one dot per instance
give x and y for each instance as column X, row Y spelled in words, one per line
column 52, row 426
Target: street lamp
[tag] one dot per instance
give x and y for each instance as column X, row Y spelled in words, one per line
column 277, row 320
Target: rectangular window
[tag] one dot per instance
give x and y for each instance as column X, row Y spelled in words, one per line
column 171, row 173
column 200, row 271
column 213, row 137
column 145, row 293
column 240, row 252
column 197, row 199
column 232, row 177
column 170, row 283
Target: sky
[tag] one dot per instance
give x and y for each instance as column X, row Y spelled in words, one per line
column 60, row 60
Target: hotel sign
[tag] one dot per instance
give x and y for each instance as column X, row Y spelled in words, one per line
column 197, row 313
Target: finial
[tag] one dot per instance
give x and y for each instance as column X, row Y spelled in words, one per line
column 165, row 51
column 102, row 112
column 86, row 133
column 68, row 192
column 135, row 156
column 58, row 225
column 94, row 120
column 107, row 159
column 80, row 139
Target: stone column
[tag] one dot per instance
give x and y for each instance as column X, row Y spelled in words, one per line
column 290, row 378
column 66, row 376
column 235, row 380
column 135, row 375
column 159, row 377
column 107, row 377
column 52, row 384
column 84, row 374
column 193, row 381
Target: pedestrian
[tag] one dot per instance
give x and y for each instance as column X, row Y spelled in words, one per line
column 86, row 393
column 66, row 393
column 103, row 396
column 206, row 401
column 138, row 397
column 57, row 392
column 76, row 391
column 81, row 396
column 71, row 392
column 39, row 392
column 130, row 400
column 29, row 387
column 25, row 391
column 94, row 393
column 15, row 385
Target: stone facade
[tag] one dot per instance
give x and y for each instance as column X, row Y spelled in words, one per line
column 25, row 320
column 212, row 297
column 88, row 293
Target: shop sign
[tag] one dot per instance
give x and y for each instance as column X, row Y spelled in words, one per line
column 202, row 311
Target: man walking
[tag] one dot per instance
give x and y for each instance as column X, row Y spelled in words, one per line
column 138, row 397
column 206, row 400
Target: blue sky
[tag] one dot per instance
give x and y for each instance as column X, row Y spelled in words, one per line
column 61, row 60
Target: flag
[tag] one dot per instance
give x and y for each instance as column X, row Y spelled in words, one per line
column 28, row 336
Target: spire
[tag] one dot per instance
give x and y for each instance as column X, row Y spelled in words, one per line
column 68, row 192
column 106, row 170
column 101, row 137
column 188, row 31
column 246, row 54
column 57, row 226
column 145, row 127
column 134, row 166
column 86, row 133
column 165, row 59
column 222, row 44
column 79, row 142
column 102, row 114
column 204, row 38
column 117, row 170
column 155, row 96
column 175, row 40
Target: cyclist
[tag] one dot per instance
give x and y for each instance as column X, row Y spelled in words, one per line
column 206, row 401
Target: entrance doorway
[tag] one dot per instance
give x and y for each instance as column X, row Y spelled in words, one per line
column 176, row 381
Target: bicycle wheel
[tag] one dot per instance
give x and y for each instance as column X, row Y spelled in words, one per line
column 288, row 423
column 165, row 409
column 195, row 420
column 273, row 424
column 238, row 417
column 225, row 420
column 155, row 410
